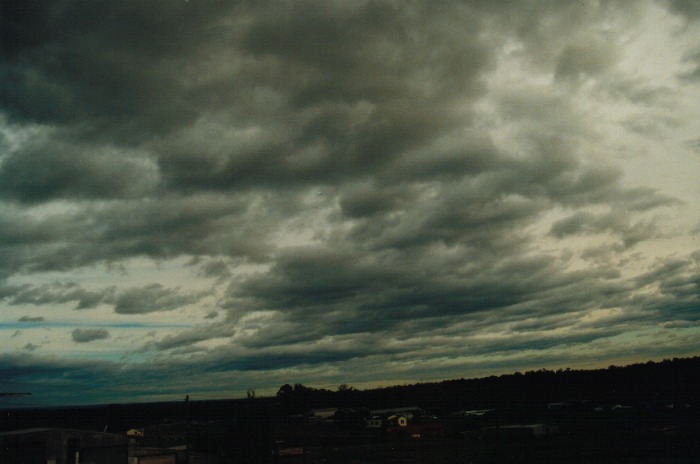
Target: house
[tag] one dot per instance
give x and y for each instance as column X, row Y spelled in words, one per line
column 375, row 422
column 405, row 410
column 400, row 420
column 383, row 418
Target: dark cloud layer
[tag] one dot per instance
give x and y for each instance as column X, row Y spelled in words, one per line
column 89, row 335
column 153, row 297
column 381, row 185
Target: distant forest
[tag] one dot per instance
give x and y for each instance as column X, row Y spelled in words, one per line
column 673, row 381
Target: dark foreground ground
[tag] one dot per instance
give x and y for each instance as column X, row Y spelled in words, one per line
column 254, row 432
column 647, row 437
column 553, row 449
column 645, row 413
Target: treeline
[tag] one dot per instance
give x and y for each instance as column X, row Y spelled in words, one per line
column 673, row 381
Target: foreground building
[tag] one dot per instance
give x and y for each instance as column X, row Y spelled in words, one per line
column 62, row 446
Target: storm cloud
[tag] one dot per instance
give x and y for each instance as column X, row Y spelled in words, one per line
column 277, row 192
column 89, row 335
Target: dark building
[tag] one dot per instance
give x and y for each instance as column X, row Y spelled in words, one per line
column 62, row 446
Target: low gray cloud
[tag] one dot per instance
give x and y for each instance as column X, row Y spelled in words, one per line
column 70, row 171
column 89, row 335
column 679, row 288
column 187, row 338
column 694, row 60
column 365, row 187
column 55, row 293
column 154, row 297
column 617, row 223
column 31, row 319
column 589, row 57
column 687, row 8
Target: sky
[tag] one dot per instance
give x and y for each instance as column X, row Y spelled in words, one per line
column 206, row 197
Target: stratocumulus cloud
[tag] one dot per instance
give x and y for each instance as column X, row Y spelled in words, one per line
column 257, row 193
column 89, row 335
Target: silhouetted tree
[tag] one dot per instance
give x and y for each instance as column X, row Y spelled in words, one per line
column 285, row 390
